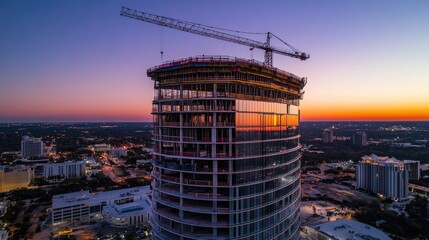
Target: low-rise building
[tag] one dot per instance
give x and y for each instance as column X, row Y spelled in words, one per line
column 14, row 177
column 119, row 152
column 101, row 147
column 406, row 145
column 419, row 190
column 148, row 150
column 348, row 229
column 128, row 214
column 57, row 172
column 422, row 141
column 76, row 208
column 3, row 235
column 414, row 169
column 92, row 166
column 3, row 207
column 143, row 161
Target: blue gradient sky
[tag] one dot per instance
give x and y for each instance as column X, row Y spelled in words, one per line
column 82, row 61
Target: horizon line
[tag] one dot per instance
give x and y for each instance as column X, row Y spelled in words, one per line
column 33, row 122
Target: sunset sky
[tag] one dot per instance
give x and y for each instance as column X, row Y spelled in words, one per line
column 81, row 61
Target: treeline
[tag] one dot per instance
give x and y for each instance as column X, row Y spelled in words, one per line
column 338, row 151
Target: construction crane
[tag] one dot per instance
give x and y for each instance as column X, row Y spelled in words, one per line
column 213, row 32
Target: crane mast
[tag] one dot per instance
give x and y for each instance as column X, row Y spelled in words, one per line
column 212, row 33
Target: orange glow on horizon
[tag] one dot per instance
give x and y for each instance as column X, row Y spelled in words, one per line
column 370, row 113
column 140, row 111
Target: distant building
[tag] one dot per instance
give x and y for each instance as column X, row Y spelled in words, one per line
column 10, row 155
column 328, row 136
column 91, row 166
column 406, row 145
column 37, row 171
column 77, row 208
column 422, row 141
column 386, row 141
column 14, row 178
column 427, row 214
column 101, row 147
column 148, row 150
column 3, row 207
column 360, row 139
column 118, row 152
column 143, row 161
column 29, row 162
column 383, row 175
column 3, row 235
column 419, row 190
column 31, row 147
column 342, row 138
column 49, row 150
column 414, row 169
column 57, row 172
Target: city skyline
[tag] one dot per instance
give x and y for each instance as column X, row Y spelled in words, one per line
column 81, row 61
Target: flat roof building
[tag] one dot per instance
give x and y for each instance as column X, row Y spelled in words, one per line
column 128, row 214
column 360, row 139
column 349, row 229
column 102, row 147
column 226, row 150
column 31, row 147
column 118, row 152
column 414, row 169
column 12, row 178
column 57, row 172
column 328, row 136
column 76, row 208
column 383, row 175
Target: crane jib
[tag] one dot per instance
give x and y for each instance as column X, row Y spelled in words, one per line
column 207, row 31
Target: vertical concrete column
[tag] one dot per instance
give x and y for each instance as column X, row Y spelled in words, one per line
column 181, row 123
column 229, row 142
column 214, row 220
column 214, row 90
column 215, row 183
column 230, row 170
column 214, row 136
column 215, row 168
column 181, row 134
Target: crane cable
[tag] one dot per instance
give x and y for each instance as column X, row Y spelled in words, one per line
column 287, row 44
column 223, row 29
column 161, row 43
column 244, row 32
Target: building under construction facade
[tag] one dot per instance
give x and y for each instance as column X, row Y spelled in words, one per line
column 226, row 143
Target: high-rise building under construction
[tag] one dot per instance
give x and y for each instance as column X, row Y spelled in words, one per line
column 226, row 143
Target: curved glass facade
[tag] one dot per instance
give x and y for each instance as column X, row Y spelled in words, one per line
column 226, row 141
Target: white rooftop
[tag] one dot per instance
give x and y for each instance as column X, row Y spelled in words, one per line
column 348, row 229
column 101, row 145
column 75, row 198
column 64, row 163
column 127, row 209
column 382, row 160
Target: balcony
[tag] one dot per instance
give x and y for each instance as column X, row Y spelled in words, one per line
column 187, row 181
column 196, row 193
column 194, row 168
column 195, row 219
column 189, row 207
